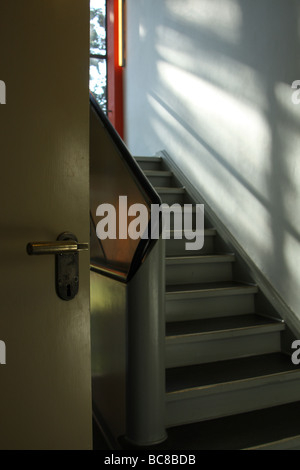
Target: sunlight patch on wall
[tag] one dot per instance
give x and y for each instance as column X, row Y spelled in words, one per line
column 292, row 258
column 142, row 31
column 284, row 93
column 288, row 132
column 290, row 145
column 236, row 130
column 223, row 18
column 183, row 55
column 228, row 73
column 231, row 199
column 214, row 183
column 298, row 7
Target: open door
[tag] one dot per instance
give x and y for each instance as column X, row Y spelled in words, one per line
column 45, row 385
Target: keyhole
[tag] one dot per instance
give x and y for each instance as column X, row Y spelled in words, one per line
column 69, row 290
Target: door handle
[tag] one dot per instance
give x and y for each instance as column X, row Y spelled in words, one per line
column 65, row 249
column 56, row 248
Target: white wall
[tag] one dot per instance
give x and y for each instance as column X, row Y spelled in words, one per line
column 210, row 82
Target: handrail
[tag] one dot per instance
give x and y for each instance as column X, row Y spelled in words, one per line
column 145, row 188
column 143, row 182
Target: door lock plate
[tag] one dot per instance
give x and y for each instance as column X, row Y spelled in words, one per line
column 67, row 270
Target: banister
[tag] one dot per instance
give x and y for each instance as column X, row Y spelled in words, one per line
column 117, row 258
column 127, row 301
column 138, row 174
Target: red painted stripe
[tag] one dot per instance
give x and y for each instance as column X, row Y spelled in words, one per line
column 114, row 71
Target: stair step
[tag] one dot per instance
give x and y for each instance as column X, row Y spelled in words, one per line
column 177, row 214
column 170, row 190
column 219, row 339
column 193, row 269
column 172, row 195
column 214, row 258
column 160, row 178
column 149, row 163
column 198, row 301
column 276, row 428
column 213, row 390
column 272, row 428
column 209, row 232
column 150, row 158
column 158, row 173
column 223, row 359
column 288, row 443
column 176, row 246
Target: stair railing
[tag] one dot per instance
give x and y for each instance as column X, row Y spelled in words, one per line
column 136, row 265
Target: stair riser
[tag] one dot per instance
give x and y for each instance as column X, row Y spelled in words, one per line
column 150, row 165
column 189, row 308
column 184, row 353
column 219, row 401
column 198, row 273
column 176, row 247
column 177, row 222
column 161, row 181
column 173, row 198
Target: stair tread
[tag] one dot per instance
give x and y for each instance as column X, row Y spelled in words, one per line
column 158, row 173
column 147, row 159
column 210, row 325
column 216, row 373
column 207, row 232
column 242, row 431
column 189, row 207
column 169, row 189
column 215, row 257
column 216, row 287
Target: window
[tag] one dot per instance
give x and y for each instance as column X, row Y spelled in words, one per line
column 98, row 52
column 106, row 73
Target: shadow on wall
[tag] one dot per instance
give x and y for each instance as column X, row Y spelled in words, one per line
column 215, row 92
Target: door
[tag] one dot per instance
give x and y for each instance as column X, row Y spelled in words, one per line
column 45, row 385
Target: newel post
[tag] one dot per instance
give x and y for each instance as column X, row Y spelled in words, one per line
column 145, row 400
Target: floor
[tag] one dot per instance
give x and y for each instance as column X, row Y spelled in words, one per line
column 230, row 433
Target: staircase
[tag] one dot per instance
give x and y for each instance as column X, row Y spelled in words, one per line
column 224, row 357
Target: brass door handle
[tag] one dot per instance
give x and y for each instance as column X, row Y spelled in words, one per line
column 56, row 248
column 65, row 249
